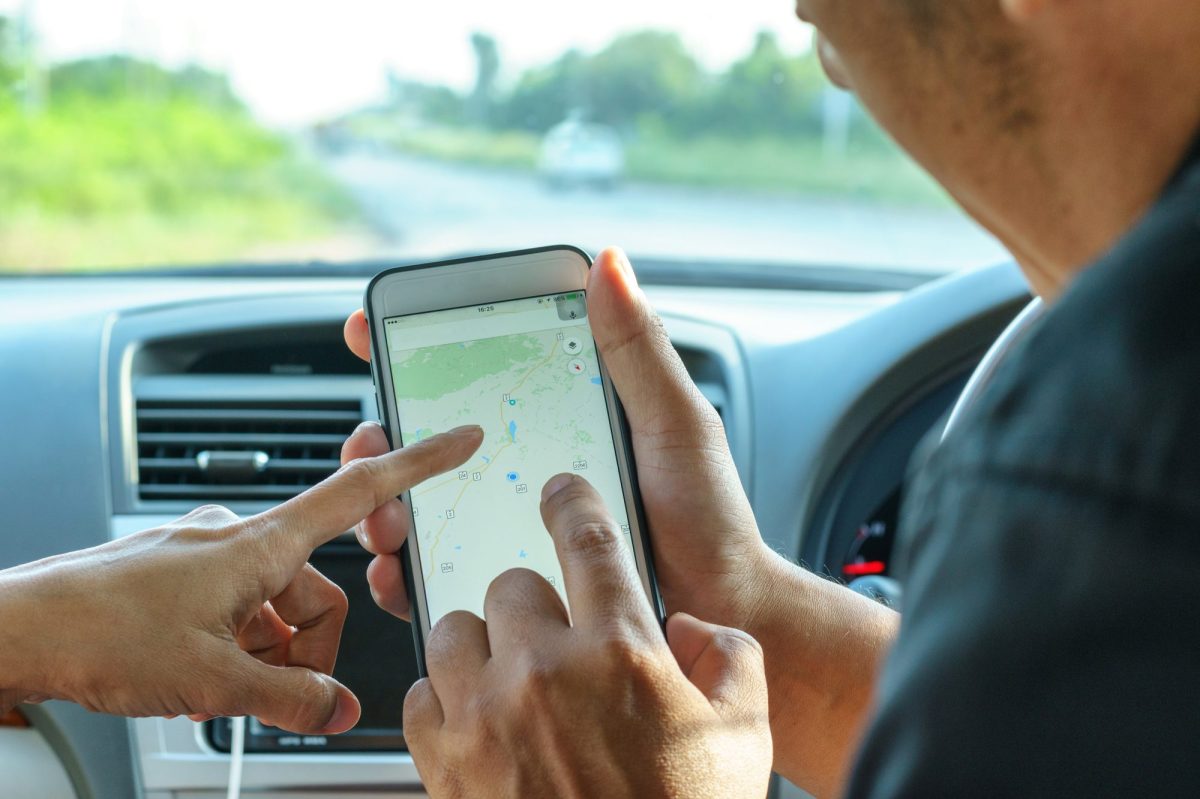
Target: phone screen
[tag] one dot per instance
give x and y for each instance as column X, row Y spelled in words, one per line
column 527, row 372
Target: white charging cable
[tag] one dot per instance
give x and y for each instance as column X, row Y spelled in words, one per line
column 237, row 752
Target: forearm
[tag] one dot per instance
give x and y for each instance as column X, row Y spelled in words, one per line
column 824, row 646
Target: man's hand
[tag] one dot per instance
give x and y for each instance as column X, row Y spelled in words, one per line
column 210, row 615
column 710, row 557
column 823, row 644
column 536, row 702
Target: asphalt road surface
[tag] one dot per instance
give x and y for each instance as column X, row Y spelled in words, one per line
column 423, row 208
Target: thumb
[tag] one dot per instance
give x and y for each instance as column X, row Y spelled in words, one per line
column 670, row 419
column 292, row 698
column 725, row 664
column 648, row 373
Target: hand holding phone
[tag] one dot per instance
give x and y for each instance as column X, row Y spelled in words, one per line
column 710, row 546
column 502, row 341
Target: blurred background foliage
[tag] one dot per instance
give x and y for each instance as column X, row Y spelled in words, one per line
column 112, row 159
column 769, row 122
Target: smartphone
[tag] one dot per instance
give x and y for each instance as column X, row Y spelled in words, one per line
column 502, row 341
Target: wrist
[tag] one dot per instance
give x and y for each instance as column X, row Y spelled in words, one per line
column 769, row 584
column 823, row 645
column 36, row 623
column 20, row 663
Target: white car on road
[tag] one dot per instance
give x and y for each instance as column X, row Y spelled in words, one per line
column 581, row 154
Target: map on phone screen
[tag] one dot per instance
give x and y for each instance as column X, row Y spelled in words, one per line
column 527, row 372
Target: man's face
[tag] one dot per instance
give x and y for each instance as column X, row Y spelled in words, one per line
column 830, row 60
column 939, row 75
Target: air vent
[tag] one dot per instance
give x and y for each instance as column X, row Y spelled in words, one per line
column 708, row 372
column 239, row 450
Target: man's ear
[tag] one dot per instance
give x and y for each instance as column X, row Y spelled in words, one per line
column 1022, row 11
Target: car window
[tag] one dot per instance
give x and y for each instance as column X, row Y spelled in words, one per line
column 161, row 132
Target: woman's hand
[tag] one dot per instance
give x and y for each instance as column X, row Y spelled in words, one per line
column 209, row 615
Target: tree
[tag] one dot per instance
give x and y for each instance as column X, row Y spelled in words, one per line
column 120, row 76
column 426, row 101
column 487, row 69
column 648, row 80
column 649, row 72
column 544, row 96
column 768, row 91
column 10, row 70
column 637, row 74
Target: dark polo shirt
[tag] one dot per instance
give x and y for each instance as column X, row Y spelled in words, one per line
column 1050, row 550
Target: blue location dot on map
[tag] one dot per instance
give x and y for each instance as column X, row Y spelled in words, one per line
column 512, row 477
column 512, row 402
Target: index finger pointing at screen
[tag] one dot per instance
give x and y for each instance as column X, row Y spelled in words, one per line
column 332, row 507
column 602, row 581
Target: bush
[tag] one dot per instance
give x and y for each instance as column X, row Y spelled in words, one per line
column 128, row 146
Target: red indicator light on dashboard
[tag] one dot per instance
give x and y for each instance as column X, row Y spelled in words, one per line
column 862, row 569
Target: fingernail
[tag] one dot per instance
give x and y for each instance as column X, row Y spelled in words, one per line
column 556, row 484
column 344, row 715
column 467, row 428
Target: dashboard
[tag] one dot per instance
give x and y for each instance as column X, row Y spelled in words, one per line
column 115, row 388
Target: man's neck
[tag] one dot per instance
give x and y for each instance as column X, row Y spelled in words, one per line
column 1121, row 117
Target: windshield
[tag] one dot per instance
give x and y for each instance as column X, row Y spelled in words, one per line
column 140, row 133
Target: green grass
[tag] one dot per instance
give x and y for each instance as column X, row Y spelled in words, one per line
column 869, row 171
column 772, row 164
column 505, row 149
column 97, row 183
column 33, row 242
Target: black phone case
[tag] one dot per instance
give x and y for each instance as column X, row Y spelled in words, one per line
column 385, row 419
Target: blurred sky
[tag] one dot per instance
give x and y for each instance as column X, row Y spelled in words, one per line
column 296, row 61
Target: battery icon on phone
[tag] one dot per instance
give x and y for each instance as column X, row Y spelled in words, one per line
column 571, row 307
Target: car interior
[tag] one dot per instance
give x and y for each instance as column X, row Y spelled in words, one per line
column 832, row 325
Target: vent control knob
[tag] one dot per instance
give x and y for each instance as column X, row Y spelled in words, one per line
column 219, row 465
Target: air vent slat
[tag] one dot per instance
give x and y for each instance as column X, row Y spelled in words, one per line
column 238, row 450
column 324, row 467
column 249, row 415
column 248, row 439
column 206, row 492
